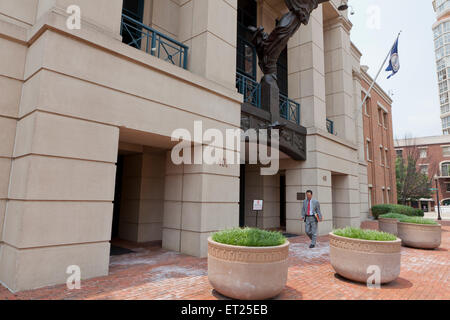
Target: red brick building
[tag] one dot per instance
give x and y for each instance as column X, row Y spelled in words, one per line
column 434, row 160
column 379, row 143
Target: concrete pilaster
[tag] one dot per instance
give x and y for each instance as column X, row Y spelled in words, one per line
column 199, row 200
column 307, row 71
column 205, row 27
column 59, row 211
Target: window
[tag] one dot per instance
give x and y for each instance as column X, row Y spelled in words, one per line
column 385, row 119
column 442, row 75
column 367, row 105
column 445, row 108
column 423, row 153
column 444, row 98
column 389, row 196
column 245, row 51
column 386, row 153
column 382, row 195
column 448, row 187
column 446, row 122
column 443, row 87
column 382, row 155
column 445, row 169
column 380, row 116
column 424, row 169
column 446, row 151
column 399, row 153
column 368, row 151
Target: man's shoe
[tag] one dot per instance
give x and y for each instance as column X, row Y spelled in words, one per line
column 312, row 246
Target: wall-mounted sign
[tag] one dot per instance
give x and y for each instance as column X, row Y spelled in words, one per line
column 258, row 205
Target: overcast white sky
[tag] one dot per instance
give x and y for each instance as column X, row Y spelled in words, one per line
column 416, row 110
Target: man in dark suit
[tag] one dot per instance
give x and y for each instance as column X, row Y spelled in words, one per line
column 312, row 216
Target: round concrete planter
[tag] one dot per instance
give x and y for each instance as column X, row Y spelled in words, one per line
column 351, row 258
column 388, row 225
column 247, row 273
column 422, row 236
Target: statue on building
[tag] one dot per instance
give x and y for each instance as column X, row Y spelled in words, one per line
column 269, row 47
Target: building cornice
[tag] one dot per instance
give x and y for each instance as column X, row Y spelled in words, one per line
column 338, row 22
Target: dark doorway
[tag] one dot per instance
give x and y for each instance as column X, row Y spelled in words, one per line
column 131, row 32
column 117, row 198
column 242, row 197
column 283, row 201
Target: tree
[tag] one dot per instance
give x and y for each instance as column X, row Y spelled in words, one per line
column 412, row 184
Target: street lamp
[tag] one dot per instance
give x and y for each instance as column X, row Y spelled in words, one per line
column 436, row 178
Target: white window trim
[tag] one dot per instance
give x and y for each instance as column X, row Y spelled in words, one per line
column 382, row 107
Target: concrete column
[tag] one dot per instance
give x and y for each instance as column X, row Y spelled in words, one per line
column 346, row 202
column 141, row 212
column 12, row 61
column 338, row 75
column 196, row 205
column 164, row 16
column 299, row 179
column 208, row 27
column 359, row 129
column 59, row 211
column 12, row 65
column 306, row 71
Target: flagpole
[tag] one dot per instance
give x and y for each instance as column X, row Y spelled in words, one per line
column 379, row 71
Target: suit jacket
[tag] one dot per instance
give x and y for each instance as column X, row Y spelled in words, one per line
column 315, row 205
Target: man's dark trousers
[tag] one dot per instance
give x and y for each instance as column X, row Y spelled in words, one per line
column 311, row 228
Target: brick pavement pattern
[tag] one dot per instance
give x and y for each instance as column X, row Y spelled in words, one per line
column 153, row 273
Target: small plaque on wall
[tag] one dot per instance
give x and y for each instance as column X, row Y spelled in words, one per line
column 301, row 196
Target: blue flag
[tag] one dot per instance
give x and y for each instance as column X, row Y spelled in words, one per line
column 394, row 62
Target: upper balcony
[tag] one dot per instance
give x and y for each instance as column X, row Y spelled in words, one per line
column 289, row 109
column 143, row 37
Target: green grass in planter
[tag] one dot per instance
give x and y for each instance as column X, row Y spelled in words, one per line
column 249, row 237
column 397, row 216
column 362, row 234
column 418, row 220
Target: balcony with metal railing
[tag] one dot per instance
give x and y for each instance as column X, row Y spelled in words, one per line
column 251, row 90
column 143, row 37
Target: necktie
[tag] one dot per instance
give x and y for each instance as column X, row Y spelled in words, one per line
column 309, row 208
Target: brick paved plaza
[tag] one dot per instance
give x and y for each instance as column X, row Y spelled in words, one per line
column 152, row 273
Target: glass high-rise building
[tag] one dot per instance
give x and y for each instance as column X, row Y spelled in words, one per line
column 441, row 30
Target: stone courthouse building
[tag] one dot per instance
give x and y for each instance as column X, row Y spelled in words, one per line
column 87, row 114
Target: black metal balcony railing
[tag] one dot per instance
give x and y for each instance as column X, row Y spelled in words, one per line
column 143, row 37
column 330, row 126
column 289, row 109
column 250, row 89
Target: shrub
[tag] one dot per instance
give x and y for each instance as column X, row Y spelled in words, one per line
column 380, row 209
column 397, row 216
column 249, row 237
column 362, row 234
column 418, row 220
